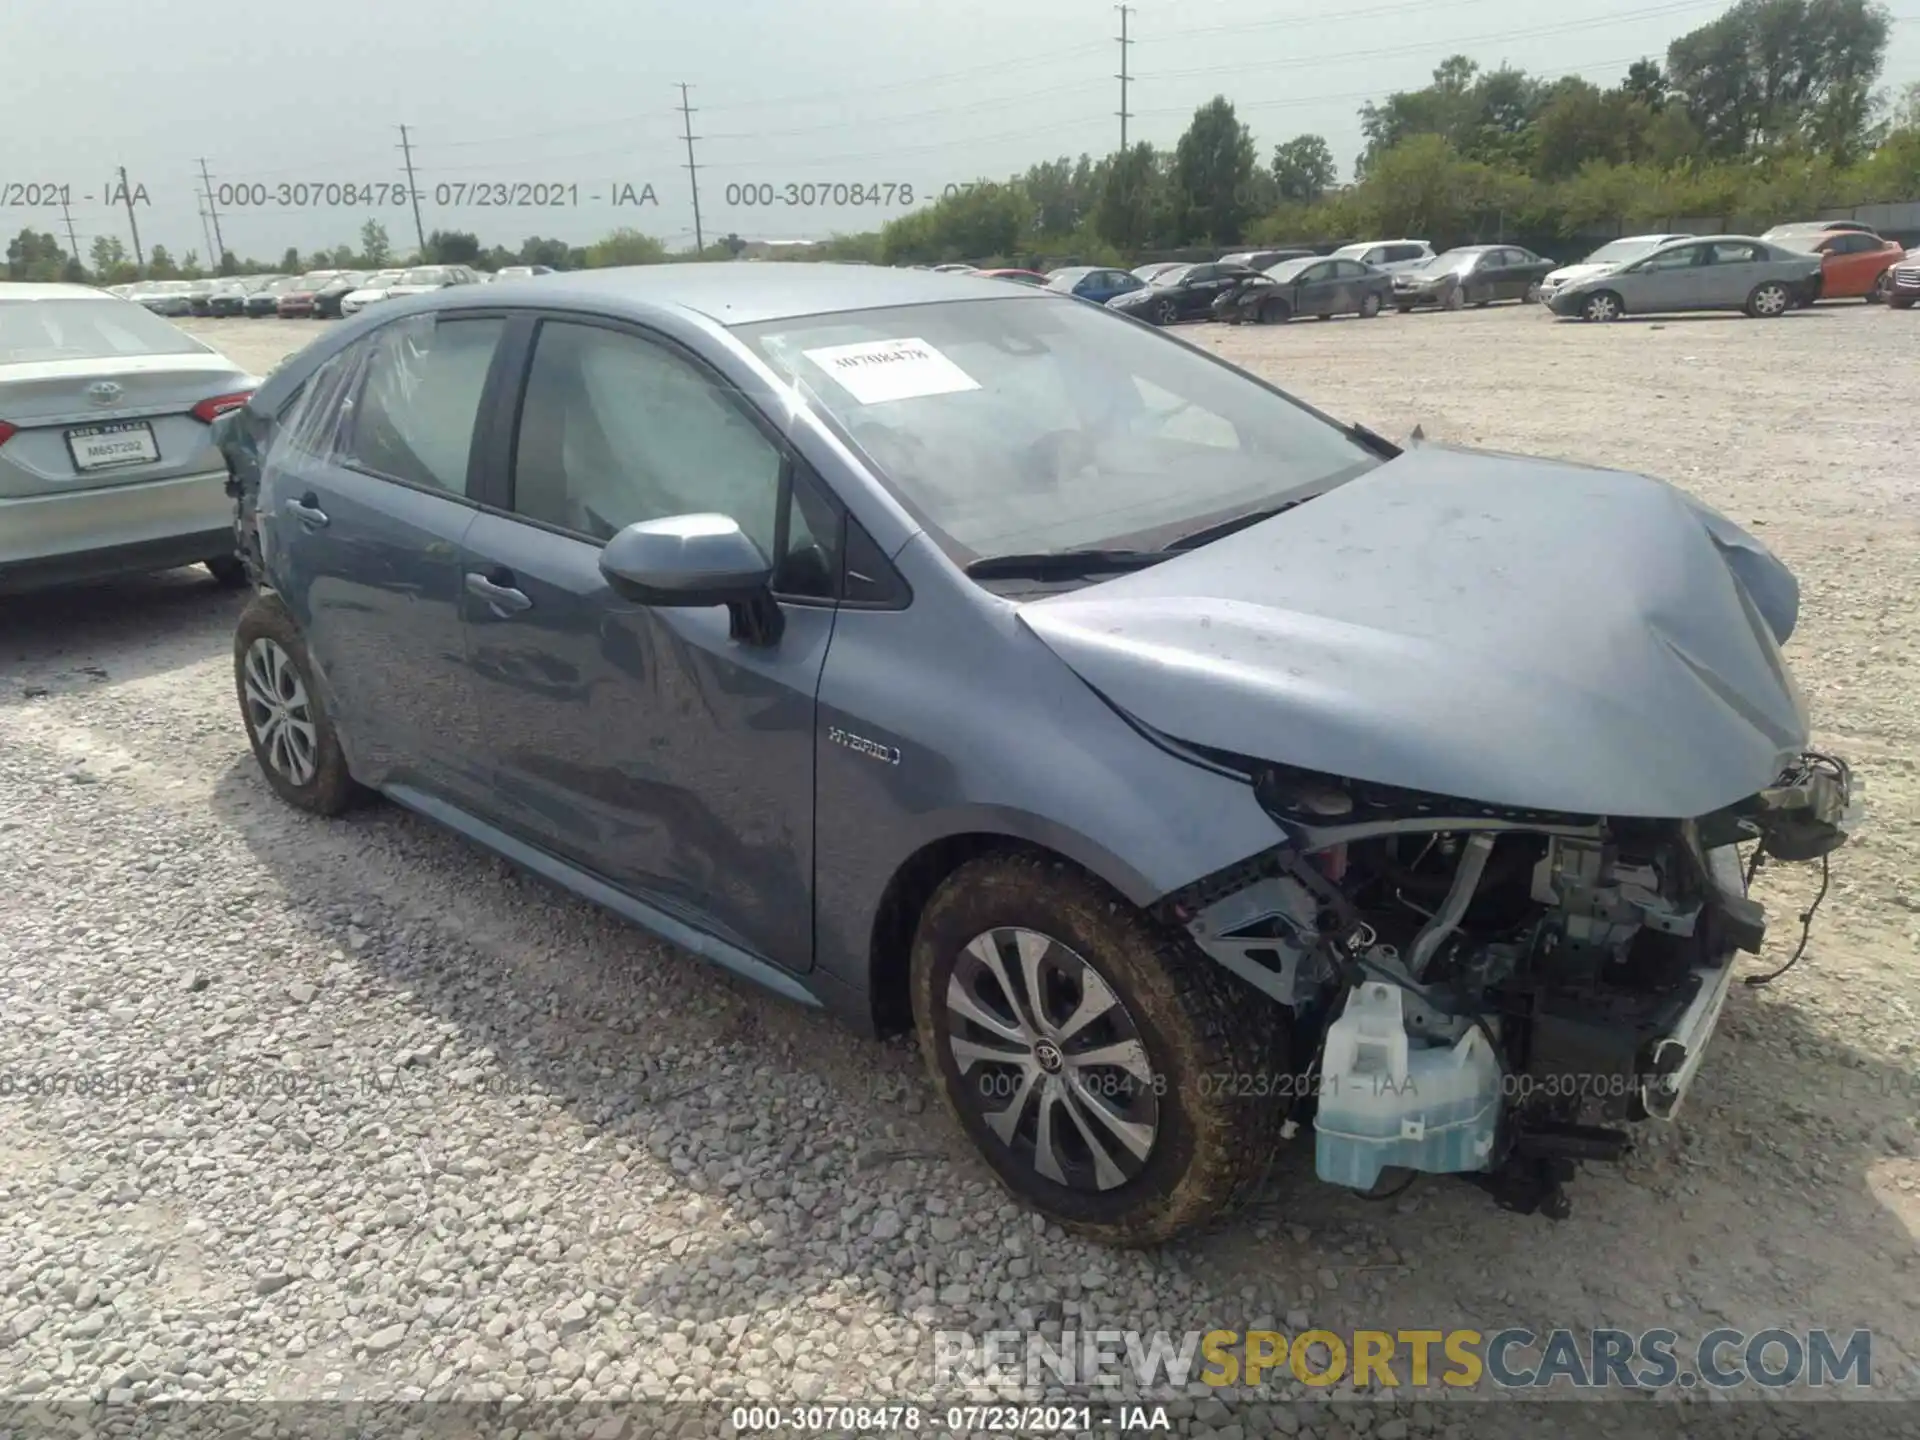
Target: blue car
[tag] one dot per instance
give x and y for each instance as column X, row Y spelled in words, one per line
column 959, row 658
column 1093, row 282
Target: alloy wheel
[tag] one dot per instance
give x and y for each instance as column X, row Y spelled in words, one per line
column 1051, row 1060
column 1770, row 300
column 1602, row 307
column 1166, row 312
column 279, row 712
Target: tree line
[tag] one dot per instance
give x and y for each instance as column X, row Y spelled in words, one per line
column 1772, row 111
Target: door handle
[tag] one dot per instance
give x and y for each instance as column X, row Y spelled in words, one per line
column 503, row 600
column 307, row 512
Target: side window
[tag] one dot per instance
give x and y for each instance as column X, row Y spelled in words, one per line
column 615, row 429
column 1731, row 254
column 316, row 419
column 413, row 419
column 1678, row 259
column 1351, row 270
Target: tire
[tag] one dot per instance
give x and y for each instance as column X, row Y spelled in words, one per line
column 1369, row 306
column 270, row 665
column 1882, row 287
column 1602, row 306
column 229, row 570
column 1532, row 295
column 1165, row 313
column 1900, row 302
column 1455, row 300
column 1403, row 309
column 1275, row 312
column 1200, row 1145
column 1769, row 300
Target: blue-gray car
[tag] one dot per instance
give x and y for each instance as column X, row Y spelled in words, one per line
column 1200, row 777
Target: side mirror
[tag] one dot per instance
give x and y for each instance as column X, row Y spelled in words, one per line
column 686, row 560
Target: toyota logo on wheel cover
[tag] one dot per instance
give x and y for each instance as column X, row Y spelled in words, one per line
column 103, row 393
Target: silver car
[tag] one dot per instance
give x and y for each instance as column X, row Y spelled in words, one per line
column 164, row 297
column 107, row 461
column 1704, row 272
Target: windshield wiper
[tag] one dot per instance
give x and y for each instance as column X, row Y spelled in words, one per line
column 1221, row 529
column 1062, row 564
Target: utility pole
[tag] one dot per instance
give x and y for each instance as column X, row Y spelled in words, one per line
column 693, row 170
column 73, row 241
column 126, row 194
column 1125, row 44
column 206, row 235
column 413, row 191
column 213, row 214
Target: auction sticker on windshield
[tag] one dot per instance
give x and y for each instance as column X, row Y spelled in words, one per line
column 876, row 371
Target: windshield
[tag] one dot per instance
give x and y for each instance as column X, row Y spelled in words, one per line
column 1621, row 251
column 1013, row 426
column 86, row 329
column 1173, row 276
column 424, row 277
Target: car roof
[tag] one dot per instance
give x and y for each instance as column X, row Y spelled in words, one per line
column 46, row 290
column 734, row 293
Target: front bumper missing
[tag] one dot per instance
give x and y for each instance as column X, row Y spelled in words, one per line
column 1675, row 1057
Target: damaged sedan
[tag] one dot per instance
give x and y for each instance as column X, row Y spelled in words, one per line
column 1203, row 779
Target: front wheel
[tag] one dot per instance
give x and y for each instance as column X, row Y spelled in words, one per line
column 1602, row 307
column 1369, row 306
column 1455, row 300
column 1882, row 287
column 1532, row 297
column 1275, row 312
column 287, row 722
column 1113, row 1077
column 1165, row 313
column 1900, row 302
column 1769, row 301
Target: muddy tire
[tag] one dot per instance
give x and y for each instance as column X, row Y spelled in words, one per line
column 229, row 570
column 286, row 717
column 1113, row 1077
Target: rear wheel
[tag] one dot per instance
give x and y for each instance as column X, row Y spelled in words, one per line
column 1095, row 1058
column 1769, row 300
column 1601, row 306
column 287, row 722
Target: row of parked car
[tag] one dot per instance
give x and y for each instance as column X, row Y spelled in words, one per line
column 316, row 295
column 1789, row 266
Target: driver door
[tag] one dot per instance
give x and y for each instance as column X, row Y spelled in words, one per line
column 652, row 747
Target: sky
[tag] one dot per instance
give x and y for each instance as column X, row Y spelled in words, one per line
column 572, row 105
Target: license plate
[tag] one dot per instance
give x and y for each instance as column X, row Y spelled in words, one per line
column 107, row 447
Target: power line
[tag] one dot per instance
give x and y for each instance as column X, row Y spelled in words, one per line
column 693, row 170
column 213, row 214
column 1125, row 45
column 413, row 191
column 126, row 194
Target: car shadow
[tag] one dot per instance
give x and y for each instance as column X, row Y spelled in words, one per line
column 130, row 628
column 1786, row 1138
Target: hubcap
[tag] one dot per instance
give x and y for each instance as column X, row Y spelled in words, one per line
column 1051, row 1060
column 1770, row 301
column 279, row 713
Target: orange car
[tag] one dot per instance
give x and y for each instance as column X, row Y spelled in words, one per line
column 1853, row 263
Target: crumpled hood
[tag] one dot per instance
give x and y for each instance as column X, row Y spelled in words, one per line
column 1516, row 631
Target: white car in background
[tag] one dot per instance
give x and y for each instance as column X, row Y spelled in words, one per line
column 424, row 278
column 1391, row 256
column 1609, row 256
column 372, row 293
column 521, row 272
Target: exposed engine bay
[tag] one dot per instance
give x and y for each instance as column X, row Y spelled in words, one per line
column 1492, row 992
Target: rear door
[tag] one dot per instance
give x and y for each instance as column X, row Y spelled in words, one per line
column 653, row 747
column 366, row 497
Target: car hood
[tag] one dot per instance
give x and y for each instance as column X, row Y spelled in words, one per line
column 1515, row 631
column 1586, row 270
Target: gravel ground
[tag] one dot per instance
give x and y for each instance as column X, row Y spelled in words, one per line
column 385, row 1120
